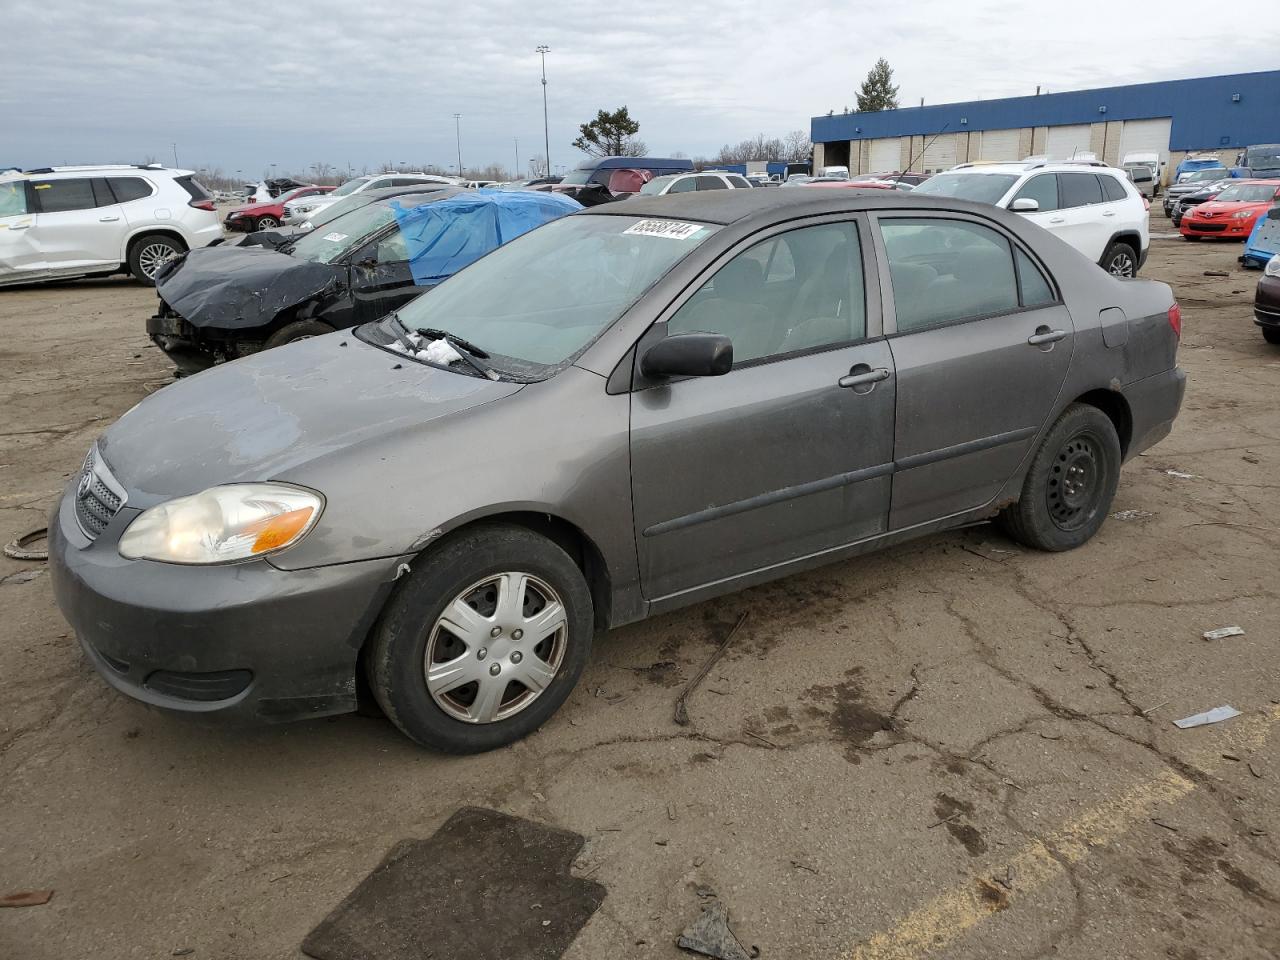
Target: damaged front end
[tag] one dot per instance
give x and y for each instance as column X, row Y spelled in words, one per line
column 224, row 303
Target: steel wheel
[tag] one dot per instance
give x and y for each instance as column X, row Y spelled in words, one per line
column 495, row 648
column 1074, row 482
column 153, row 255
column 1122, row 263
column 268, row 223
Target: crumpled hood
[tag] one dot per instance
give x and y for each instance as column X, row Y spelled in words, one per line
column 262, row 416
column 234, row 287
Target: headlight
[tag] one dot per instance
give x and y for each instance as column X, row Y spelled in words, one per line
column 1273, row 267
column 233, row 522
column 1241, row 214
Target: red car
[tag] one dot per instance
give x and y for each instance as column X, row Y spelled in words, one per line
column 1232, row 214
column 267, row 216
column 863, row 184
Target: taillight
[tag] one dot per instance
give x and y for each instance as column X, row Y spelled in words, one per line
column 1146, row 204
column 1175, row 319
column 201, row 204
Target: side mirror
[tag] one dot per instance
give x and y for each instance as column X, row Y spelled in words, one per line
column 688, row 355
column 1273, row 213
column 1024, row 205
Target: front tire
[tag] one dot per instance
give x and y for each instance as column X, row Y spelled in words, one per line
column 482, row 641
column 266, row 223
column 1120, row 260
column 298, row 330
column 1271, row 335
column 1071, row 483
column 148, row 253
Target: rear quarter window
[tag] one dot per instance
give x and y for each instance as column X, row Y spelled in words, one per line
column 131, row 188
column 1112, row 188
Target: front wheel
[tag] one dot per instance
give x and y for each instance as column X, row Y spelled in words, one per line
column 1072, row 480
column 298, row 330
column 267, row 223
column 1271, row 335
column 1120, row 260
column 483, row 640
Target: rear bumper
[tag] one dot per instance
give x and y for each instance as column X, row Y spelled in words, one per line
column 1154, row 403
column 242, row 641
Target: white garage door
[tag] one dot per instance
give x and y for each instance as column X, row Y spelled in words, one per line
column 886, row 155
column 998, row 145
column 939, row 155
column 1065, row 142
column 1146, row 136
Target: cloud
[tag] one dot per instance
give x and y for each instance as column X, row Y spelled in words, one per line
column 242, row 85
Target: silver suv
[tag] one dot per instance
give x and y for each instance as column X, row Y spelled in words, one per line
column 58, row 223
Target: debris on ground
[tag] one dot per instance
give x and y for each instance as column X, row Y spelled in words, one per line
column 1132, row 515
column 21, row 548
column 1181, row 476
column 1223, row 632
column 710, row 936
column 22, row 576
column 682, row 701
column 1216, row 273
column 1216, row 715
column 1250, row 458
column 26, row 898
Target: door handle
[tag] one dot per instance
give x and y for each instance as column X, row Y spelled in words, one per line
column 861, row 375
column 108, row 219
column 1044, row 335
column 1108, row 213
column 19, row 226
column 1057, row 219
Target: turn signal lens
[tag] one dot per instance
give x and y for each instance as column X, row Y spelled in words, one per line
column 1175, row 319
column 279, row 531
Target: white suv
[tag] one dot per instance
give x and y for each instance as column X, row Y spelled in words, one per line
column 303, row 208
column 1091, row 206
column 689, row 182
column 58, row 223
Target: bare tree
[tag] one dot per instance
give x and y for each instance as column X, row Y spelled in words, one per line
column 796, row 146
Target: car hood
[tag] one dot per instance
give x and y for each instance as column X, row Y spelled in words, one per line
column 263, row 416
column 1220, row 207
column 241, row 287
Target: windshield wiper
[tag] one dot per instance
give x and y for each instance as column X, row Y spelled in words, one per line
column 468, row 351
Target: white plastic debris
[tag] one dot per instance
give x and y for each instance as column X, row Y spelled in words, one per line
column 1223, row 632
column 1216, row 715
column 1132, row 515
column 1180, row 475
column 439, row 351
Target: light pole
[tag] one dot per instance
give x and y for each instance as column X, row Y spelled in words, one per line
column 175, row 154
column 546, row 133
column 457, row 129
column 517, row 142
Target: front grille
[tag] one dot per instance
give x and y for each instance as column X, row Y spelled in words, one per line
column 1207, row 227
column 99, row 496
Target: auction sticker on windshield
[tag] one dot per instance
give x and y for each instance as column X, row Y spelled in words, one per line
column 671, row 229
column 335, row 237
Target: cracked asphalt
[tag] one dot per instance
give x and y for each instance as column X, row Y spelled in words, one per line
column 956, row 748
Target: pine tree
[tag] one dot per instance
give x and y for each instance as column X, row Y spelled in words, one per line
column 878, row 91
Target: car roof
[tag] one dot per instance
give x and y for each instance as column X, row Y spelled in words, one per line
column 133, row 168
column 732, row 206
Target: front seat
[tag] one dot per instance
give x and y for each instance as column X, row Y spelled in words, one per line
column 734, row 309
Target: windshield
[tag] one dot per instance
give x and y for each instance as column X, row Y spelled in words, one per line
column 351, row 186
column 543, row 297
column 342, row 233
column 578, row 177
column 1209, row 173
column 1247, row 193
column 982, row 187
column 339, row 209
column 1266, row 158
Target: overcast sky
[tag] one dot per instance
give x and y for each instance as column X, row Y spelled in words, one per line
column 371, row 82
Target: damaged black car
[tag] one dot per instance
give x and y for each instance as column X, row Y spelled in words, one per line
column 225, row 302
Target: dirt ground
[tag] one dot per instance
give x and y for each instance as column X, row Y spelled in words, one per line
column 957, row 748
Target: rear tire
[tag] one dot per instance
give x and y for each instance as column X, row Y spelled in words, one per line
column 1271, row 335
column 1120, row 260
column 298, row 330
column 266, row 223
column 1071, row 483
column 412, row 635
column 148, row 252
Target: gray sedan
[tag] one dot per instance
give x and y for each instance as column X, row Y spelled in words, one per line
column 623, row 412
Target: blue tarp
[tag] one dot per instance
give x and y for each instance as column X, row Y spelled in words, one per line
column 443, row 237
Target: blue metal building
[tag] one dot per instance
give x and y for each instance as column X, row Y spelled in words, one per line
column 1215, row 114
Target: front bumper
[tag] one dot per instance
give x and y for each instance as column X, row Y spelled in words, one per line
column 1224, row 228
column 1266, row 303
column 245, row 640
column 1154, row 403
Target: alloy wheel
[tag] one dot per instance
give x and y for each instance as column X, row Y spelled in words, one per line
column 496, row 647
column 268, row 223
column 1075, row 482
column 1122, row 265
column 152, row 256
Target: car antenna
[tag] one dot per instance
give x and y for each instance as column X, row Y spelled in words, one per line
column 911, row 160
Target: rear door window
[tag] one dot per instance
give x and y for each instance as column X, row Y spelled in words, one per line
column 740, row 182
column 711, row 183
column 1079, row 189
column 683, row 186
column 943, row 271
column 62, row 196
